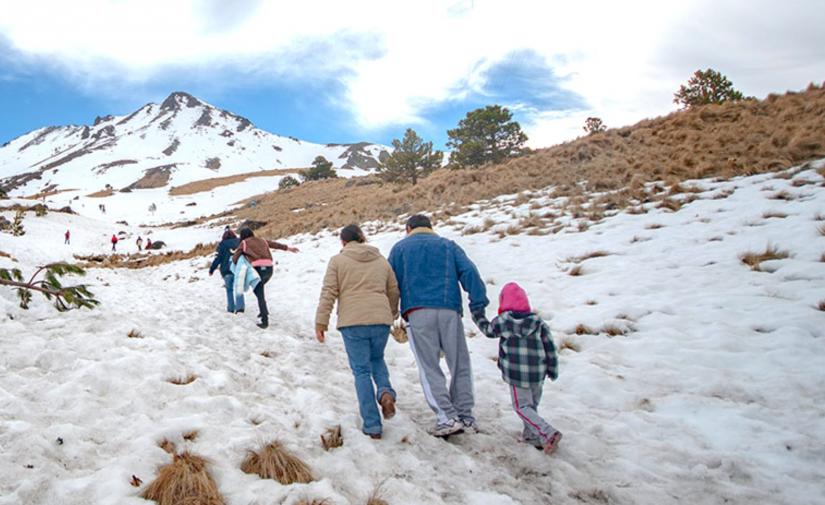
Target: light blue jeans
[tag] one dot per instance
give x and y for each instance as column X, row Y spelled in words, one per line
column 365, row 349
column 232, row 304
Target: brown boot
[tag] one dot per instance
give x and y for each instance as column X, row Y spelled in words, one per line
column 387, row 405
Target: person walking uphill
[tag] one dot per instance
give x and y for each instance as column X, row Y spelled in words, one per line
column 113, row 240
column 257, row 252
column 429, row 270
column 362, row 282
column 526, row 355
column 227, row 246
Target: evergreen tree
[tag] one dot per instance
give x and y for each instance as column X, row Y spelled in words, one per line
column 487, row 135
column 17, row 225
column 64, row 297
column 3, row 194
column 288, row 182
column 411, row 159
column 594, row 125
column 706, row 87
column 320, row 169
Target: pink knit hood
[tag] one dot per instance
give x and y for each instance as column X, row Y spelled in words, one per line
column 513, row 298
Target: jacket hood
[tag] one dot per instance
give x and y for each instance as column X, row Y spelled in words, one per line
column 529, row 324
column 361, row 252
column 513, row 298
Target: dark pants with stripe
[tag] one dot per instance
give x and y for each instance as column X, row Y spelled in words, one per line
column 265, row 273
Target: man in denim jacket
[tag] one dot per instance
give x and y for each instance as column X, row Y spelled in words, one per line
column 429, row 270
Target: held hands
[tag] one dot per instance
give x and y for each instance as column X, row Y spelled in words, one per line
column 292, row 249
column 319, row 335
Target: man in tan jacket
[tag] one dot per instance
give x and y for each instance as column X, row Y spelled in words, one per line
column 362, row 282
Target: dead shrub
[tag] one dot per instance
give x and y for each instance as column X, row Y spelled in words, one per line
column 168, row 446
column 376, row 498
column 186, row 480
column 670, row 204
column 182, row 381
column 593, row 254
column 332, row 438
column 274, row 461
column 568, row 344
column 754, row 259
column 191, row 436
column 133, row 333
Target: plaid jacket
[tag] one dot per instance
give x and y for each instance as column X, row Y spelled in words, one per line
column 526, row 353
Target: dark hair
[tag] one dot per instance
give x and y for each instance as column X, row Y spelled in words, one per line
column 419, row 221
column 228, row 234
column 246, row 233
column 352, row 233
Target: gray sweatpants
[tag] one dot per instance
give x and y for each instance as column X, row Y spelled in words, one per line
column 537, row 431
column 431, row 331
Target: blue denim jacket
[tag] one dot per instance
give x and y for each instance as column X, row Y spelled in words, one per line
column 429, row 270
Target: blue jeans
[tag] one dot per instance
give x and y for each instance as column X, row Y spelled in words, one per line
column 365, row 350
column 231, row 303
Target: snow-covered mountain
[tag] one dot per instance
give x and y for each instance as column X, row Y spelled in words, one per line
column 179, row 141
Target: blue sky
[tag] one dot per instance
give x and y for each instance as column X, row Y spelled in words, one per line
column 347, row 71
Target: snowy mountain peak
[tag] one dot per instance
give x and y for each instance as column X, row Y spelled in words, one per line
column 157, row 147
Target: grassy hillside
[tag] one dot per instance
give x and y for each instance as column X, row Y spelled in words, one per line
column 713, row 141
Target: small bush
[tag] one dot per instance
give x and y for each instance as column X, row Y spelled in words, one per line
column 17, row 228
column 754, row 260
column 182, row 381
column 274, row 461
column 375, row 498
column 593, row 125
column 133, row 333
column 288, row 182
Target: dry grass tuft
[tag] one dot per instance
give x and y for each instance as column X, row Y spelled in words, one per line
column 819, row 216
column 191, row 436
column 312, row 501
column 332, row 438
column 134, row 333
column 376, row 498
column 654, row 226
column 576, row 271
column 216, row 182
column 182, row 381
column 754, row 260
column 822, row 258
column 614, row 331
column 670, row 204
column 568, row 344
column 186, row 480
column 784, row 195
column 168, row 446
column 587, row 256
column 274, row 461
column 821, row 230
column 583, row 329
column 821, row 305
column 772, row 213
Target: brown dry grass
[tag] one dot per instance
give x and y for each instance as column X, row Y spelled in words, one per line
column 216, row 182
column 614, row 331
column 583, row 329
column 772, row 213
column 102, row 193
column 191, row 436
column 822, row 258
column 134, row 333
column 783, row 195
column 587, row 256
column 4, row 254
column 821, row 230
column 568, row 344
column 576, row 271
column 142, row 260
column 821, row 305
column 186, row 480
column 376, row 498
column 274, row 461
column 332, row 438
column 182, row 381
column 755, row 259
column 46, row 194
column 312, row 501
column 168, row 446
column 726, row 140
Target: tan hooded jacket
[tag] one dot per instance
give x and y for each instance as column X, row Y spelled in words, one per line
column 363, row 283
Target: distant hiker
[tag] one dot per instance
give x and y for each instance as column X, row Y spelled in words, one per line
column 257, row 252
column 526, row 355
column 139, row 243
column 114, row 242
column 67, row 237
column 363, row 284
column 429, row 270
column 229, row 242
column 102, row 208
column 148, row 243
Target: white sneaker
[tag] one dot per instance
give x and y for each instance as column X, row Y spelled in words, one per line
column 470, row 426
column 451, row 427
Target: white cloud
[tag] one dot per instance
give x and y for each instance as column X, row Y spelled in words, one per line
column 397, row 59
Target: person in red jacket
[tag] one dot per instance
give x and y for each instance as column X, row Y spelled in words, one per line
column 67, row 236
column 114, row 242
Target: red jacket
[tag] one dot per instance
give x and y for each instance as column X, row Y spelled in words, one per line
column 114, row 239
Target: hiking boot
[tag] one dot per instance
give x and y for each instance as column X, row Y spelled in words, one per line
column 239, row 311
column 451, row 427
column 535, row 442
column 264, row 323
column 553, row 443
column 470, row 425
column 374, row 436
column 387, row 406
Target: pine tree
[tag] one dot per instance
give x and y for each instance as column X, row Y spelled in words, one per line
column 594, row 125
column 320, row 169
column 64, row 297
column 706, row 87
column 411, row 159
column 17, row 225
column 40, row 210
column 487, row 135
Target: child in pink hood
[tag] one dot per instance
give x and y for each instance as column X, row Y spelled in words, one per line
column 526, row 355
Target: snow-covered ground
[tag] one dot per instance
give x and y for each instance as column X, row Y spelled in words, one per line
column 715, row 394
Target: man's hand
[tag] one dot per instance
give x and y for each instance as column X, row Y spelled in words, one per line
column 292, row 249
column 319, row 335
